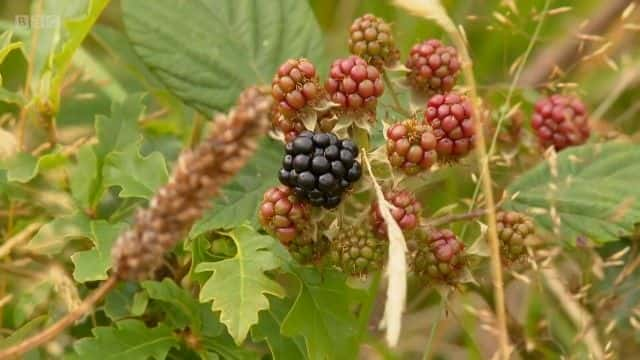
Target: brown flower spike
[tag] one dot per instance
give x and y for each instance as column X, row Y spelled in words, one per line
column 198, row 175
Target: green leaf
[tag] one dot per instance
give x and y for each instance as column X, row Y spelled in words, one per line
column 23, row 167
column 11, row 97
column 138, row 176
column 91, row 265
column 198, row 316
column 23, row 332
column 238, row 286
column 322, row 314
column 225, row 45
column 121, row 129
column 130, row 340
column 125, row 300
column 85, row 178
column 53, row 236
column 268, row 329
column 243, row 195
column 77, row 30
column 6, row 46
column 593, row 192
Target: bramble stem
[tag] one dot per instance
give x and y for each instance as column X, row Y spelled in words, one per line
column 397, row 105
column 59, row 326
column 446, row 219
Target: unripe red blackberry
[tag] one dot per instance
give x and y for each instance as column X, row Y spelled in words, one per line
column 370, row 38
column 433, row 67
column 452, row 120
column 513, row 230
column 356, row 251
column 295, row 86
column 411, row 146
column 560, row 121
column 283, row 215
column 440, row 256
column 354, row 85
column 406, row 212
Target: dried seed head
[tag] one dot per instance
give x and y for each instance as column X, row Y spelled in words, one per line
column 199, row 174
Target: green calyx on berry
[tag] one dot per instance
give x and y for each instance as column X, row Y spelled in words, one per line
column 320, row 168
column 406, row 211
column 452, row 120
column 370, row 37
column 514, row 229
column 356, row 251
column 560, row 121
column 411, row 146
column 439, row 256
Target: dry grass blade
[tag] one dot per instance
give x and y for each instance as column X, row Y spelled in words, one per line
column 396, row 266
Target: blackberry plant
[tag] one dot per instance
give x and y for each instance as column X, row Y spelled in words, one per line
column 258, row 190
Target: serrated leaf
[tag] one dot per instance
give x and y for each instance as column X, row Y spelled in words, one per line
column 129, row 339
column 138, row 176
column 268, row 329
column 23, row 167
column 53, row 236
column 238, row 286
column 85, row 178
column 225, row 45
column 240, row 198
column 91, row 265
column 125, row 300
column 198, row 316
column 589, row 190
column 323, row 316
column 121, row 128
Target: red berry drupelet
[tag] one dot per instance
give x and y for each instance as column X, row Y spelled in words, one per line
column 433, row 67
column 354, row 85
column 320, row 167
column 440, row 256
column 282, row 214
column 411, row 146
column 513, row 231
column 370, row 37
column 560, row 121
column 406, row 212
column 452, row 120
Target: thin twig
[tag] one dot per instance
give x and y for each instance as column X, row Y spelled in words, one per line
column 59, row 326
column 427, row 351
column 392, row 91
column 446, row 219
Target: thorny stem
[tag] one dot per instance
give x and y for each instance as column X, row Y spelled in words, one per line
column 507, row 103
column 392, row 91
column 59, row 326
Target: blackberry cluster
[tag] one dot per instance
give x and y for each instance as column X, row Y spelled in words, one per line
column 320, row 167
column 451, row 117
column 439, row 257
column 282, row 214
column 411, row 146
column 433, row 67
column 406, row 212
column 354, row 85
column 370, row 37
column 513, row 230
column 560, row 121
column 356, row 251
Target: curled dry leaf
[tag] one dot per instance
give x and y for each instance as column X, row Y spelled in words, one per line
column 396, row 267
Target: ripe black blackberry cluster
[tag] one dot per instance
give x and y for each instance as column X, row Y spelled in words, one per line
column 320, row 167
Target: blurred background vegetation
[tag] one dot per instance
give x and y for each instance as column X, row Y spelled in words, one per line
column 605, row 71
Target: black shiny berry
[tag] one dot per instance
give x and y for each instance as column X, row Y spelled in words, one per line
column 320, row 167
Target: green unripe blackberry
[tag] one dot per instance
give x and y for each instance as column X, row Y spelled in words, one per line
column 513, row 231
column 370, row 38
column 305, row 250
column 356, row 251
column 439, row 256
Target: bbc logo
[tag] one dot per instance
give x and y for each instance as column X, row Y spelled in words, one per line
column 37, row 21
